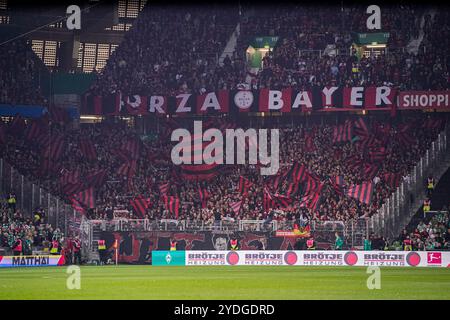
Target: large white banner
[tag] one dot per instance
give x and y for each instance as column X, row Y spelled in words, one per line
column 320, row 258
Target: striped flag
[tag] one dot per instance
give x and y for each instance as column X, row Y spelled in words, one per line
column 392, row 179
column 55, row 147
column 34, row 129
column 292, row 189
column 342, row 132
column 204, row 195
column 370, row 171
column 268, row 201
column 127, row 169
column 244, row 185
column 362, row 192
column 236, row 206
column 132, row 147
column 310, row 201
column 164, row 188
column 298, row 173
column 312, row 185
column 203, row 171
column 70, row 177
column 377, row 154
column 360, row 127
column 172, row 204
column 87, row 148
column 86, row 198
column 140, row 205
column 95, row 179
column 337, row 183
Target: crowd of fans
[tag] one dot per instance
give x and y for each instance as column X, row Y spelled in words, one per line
column 18, row 75
column 322, row 157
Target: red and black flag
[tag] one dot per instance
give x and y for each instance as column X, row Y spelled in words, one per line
column 34, row 129
column 172, row 204
column 312, row 185
column 55, row 147
column 310, row 200
column 70, row 177
column 128, row 168
column 164, row 188
column 244, row 185
column 298, row 172
column 140, row 205
column 370, row 171
column 95, row 179
column 108, row 104
column 87, row 148
column 342, row 132
column 360, row 127
column 200, row 172
column 132, row 148
column 204, row 195
column 392, row 179
column 268, row 202
column 236, row 206
column 362, row 192
column 281, row 201
column 292, row 189
column 406, row 138
column 337, row 183
column 377, row 154
column 59, row 115
column 86, row 198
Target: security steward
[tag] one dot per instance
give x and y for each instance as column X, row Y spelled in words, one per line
column 102, row 251
column 426, row 206
column 430, row 186
column 310, row 244
column 173, row 245
column 234, row 244
column 12, row 202
column 55, row 247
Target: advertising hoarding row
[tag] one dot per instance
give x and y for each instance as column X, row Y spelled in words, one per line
column 303, row 258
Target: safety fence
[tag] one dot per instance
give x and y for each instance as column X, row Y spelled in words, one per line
column 399, row 208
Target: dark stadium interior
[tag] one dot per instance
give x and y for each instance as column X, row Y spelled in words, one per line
column 83, row 151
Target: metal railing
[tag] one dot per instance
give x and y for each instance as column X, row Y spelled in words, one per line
column 30, row 195
column 399, row 208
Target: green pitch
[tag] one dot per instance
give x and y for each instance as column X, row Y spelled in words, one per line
column 239, row 282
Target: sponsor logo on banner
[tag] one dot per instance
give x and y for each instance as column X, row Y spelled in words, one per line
column 351, row 258
column 323, row 258
column 263, row 258
column 168, row 258
column 290, row 258
column 208, row 258
column 31, row 261
column 232, row 258
column 434, row 258
column 243, row 99
column 424, row 99
column 385, row 259
column 413, row 259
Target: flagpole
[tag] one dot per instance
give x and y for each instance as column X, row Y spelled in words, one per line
column 116, row 251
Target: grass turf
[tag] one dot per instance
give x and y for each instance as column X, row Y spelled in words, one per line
column 239, row 282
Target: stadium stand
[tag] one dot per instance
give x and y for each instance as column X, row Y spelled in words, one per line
column 105, row 168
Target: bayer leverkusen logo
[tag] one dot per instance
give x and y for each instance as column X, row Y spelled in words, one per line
column 413, row 259
column 232, row 258
column 350, row 258
column 290, row 258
